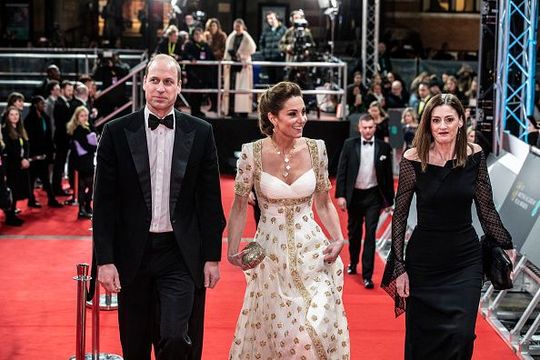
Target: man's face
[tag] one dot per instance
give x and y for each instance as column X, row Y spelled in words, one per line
column 189, row 20
column 423, row 91
column 396, row 88
column 68, row 91
column 357, row 79
column 161, row 86
column 271, row 20
column 198, row 36
column 367, row 128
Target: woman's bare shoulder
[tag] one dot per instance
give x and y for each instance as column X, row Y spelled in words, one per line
column 474, row 148
column 411, row 154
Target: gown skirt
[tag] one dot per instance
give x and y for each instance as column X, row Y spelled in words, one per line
column 445, row 278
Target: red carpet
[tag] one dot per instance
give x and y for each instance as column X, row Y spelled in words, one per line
column 37, row 302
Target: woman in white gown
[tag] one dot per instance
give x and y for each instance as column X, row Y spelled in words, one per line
column 293, row 305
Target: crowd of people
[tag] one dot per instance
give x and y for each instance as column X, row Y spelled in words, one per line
column 194, row 42
column 389, row 91
column 56, row 131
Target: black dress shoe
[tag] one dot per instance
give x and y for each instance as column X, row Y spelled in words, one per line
column 70, row 202
column 351, row 270
column 54, row 204
column 13, row 220
column 368, row 284
column 84, row 215
column 34, row 204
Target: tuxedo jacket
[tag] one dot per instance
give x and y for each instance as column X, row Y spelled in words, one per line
column 123, row 196
column 349, row 165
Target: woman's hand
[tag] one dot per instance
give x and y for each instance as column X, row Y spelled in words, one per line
column 512, row 254
column 236, row 260
column 332, row 251
column 402, row 285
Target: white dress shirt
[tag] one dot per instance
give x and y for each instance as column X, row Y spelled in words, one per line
column 367, row 178
column 160, row 150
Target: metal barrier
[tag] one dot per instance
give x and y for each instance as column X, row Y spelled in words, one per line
column 337, row 64
column 136, row 76
column 82, row 279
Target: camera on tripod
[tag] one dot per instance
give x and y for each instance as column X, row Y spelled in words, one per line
column 302, row 42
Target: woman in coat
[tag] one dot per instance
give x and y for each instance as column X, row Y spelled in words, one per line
column 239, row 47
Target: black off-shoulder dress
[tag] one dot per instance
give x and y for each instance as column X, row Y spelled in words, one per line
column 443, row 257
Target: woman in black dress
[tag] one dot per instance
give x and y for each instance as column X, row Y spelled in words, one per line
column 381, row 121
column 15, row 159
column 437, row 281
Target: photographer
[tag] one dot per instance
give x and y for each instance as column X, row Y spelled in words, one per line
column 170, row 45
column 297, row 41
column 109, row 71
column 198, row 77
column 269, row 46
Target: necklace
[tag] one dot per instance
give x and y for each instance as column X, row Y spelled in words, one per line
column 286, row 158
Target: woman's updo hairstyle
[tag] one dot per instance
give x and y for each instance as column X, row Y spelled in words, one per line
column 272, row 101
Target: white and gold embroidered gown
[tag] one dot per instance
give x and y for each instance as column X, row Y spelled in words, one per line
column 293, row 302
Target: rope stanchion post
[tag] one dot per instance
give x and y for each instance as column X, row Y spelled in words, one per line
column 82, row 278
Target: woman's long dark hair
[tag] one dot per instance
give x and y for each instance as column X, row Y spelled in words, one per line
column 423, row 138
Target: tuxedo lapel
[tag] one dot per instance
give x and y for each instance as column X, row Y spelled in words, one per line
column 136, row 138
column 183, row 141
column 358, row 150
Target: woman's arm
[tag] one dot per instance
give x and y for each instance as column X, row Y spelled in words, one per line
column 330, row 220
column 237, row 223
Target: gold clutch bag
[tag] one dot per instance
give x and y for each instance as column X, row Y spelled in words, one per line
column 253, row 254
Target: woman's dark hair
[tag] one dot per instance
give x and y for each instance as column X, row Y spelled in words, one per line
column 423, row 138
column 272, row 101
column 18, row 131
column 13, row 97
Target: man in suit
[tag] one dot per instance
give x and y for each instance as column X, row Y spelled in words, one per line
column 158, row 220
column 364, row 186
column 62, row 114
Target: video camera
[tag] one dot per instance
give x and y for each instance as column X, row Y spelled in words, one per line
column 302, row 42
column 199, row 16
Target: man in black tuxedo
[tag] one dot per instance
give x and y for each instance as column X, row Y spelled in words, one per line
column 62, row 114
column 158, row 219
column 364, row 186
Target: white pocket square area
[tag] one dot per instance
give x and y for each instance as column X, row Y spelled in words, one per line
column 382, row 158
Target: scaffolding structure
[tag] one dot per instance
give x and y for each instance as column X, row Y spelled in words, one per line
column 516, row 68
column 370, row 38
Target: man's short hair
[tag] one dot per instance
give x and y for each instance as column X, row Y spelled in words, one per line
column 65, row 83
column 165, row 56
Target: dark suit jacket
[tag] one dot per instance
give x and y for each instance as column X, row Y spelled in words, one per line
column 123, row 198
column 62, row 114
column 349, row 165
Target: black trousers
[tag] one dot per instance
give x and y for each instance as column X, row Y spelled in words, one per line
column 365, row 207
column 85, row 190
column 58, row 168
column 162, row 286
column 39, row 169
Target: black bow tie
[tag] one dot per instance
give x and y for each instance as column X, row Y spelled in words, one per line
column 153, row 121
column 365, row 142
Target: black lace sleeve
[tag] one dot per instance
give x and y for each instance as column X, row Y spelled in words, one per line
column 489, row 217
column 395, row 264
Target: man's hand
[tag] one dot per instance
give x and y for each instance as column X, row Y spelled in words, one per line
column 342, row 203
column 211, row 274
column 25, row 164
column 108, row 277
